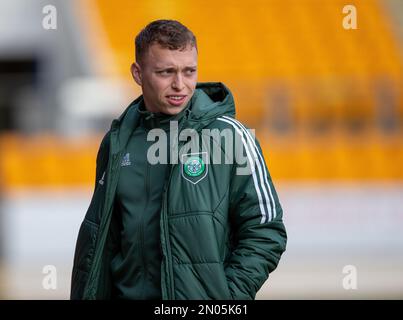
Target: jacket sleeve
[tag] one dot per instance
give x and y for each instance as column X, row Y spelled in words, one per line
column 86, row 239
column 258, row 234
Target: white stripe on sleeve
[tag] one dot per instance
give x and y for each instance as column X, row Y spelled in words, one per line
column 262, row 169
column 255, row 182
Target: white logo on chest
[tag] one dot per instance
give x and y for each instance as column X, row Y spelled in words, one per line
column 126, row 160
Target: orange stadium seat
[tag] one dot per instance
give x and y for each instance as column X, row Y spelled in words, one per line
column 321, row 98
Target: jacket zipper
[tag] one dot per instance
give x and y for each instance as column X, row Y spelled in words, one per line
column 166, row 249
column 147, row 190
column 169, row 291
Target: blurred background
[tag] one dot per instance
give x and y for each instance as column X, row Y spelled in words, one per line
column 326, row 101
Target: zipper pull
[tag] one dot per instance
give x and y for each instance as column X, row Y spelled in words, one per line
column 151, row 115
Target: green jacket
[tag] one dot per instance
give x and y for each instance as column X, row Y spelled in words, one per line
column 221, row 232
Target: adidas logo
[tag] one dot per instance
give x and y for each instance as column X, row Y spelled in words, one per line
column 126, row 160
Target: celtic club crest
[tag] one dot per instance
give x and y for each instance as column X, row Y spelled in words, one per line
column 194, row 166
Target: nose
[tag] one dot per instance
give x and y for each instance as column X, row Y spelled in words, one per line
column 177, row 83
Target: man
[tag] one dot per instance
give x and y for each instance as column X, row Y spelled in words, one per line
column 188, row 227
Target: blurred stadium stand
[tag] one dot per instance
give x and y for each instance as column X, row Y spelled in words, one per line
column 326, row 103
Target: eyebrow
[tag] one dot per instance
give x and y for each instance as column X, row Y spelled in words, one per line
column 173, row 68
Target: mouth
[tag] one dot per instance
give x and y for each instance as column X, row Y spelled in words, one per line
column 176, row 100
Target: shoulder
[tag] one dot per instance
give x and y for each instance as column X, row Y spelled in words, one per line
column 238, row 131
column 228, row 123
column 227, row 129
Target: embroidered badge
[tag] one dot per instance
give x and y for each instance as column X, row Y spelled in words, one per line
column 194, row 166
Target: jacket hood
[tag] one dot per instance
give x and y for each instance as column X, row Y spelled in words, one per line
column 209, row 101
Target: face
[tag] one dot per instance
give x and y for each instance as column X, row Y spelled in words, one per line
column 167, row 77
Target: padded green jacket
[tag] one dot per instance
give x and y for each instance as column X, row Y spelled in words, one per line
column 221, row 232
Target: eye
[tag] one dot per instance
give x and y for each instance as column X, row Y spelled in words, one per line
column 190, row 71
column 164, row 72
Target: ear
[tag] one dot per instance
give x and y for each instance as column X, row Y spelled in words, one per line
column 135, row 70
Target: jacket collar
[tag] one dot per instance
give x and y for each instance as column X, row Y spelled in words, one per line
column 151, row 120
column 210, row 100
